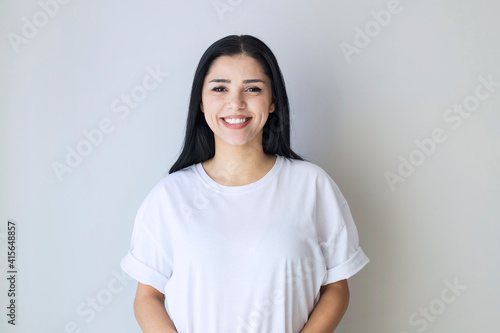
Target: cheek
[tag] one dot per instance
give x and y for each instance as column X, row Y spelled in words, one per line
column 210, row 118
column 210, row 114
column 210, row 103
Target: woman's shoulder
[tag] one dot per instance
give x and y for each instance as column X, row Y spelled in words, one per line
column 312, row 175
column 180, row 177
column 174, row 181
column 303, row 167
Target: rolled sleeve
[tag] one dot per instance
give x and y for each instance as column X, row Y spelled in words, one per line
column 150, row 257
column 143, row 273
column 348, row 268
column 338, row 235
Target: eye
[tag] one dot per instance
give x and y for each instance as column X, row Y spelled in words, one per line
column 254, row 89
column 218, row 89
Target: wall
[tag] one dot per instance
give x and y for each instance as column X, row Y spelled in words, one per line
column 397, row 100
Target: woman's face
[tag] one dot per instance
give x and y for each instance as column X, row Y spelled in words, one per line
column 236, row 100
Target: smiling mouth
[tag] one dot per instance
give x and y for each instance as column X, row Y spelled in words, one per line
column 233, row 121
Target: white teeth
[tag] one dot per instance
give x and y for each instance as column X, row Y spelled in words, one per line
column 235, row 120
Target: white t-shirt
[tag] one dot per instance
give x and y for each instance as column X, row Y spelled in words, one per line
column 246, row 258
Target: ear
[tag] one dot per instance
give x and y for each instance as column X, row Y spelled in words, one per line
column 272, row 107
column 201, row 107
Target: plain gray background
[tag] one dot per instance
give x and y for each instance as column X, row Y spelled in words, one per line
column 360, row 101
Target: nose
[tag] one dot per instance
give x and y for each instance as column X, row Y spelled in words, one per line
column 236, row 101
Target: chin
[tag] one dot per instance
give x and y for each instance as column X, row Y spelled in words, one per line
column 238, row 140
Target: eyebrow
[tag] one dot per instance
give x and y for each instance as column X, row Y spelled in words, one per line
column 229, row 81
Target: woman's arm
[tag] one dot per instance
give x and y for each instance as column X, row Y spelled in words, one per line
column 150, row 312
column 330, row 309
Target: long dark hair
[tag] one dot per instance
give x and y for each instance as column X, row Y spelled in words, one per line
column 199, row 144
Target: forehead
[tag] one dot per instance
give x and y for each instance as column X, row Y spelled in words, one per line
column 240, row 65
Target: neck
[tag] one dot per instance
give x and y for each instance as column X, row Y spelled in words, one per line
column 238, row 165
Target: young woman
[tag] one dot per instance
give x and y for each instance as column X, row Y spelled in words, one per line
column 242, row 235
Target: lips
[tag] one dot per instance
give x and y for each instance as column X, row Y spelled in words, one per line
column 236, row 122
